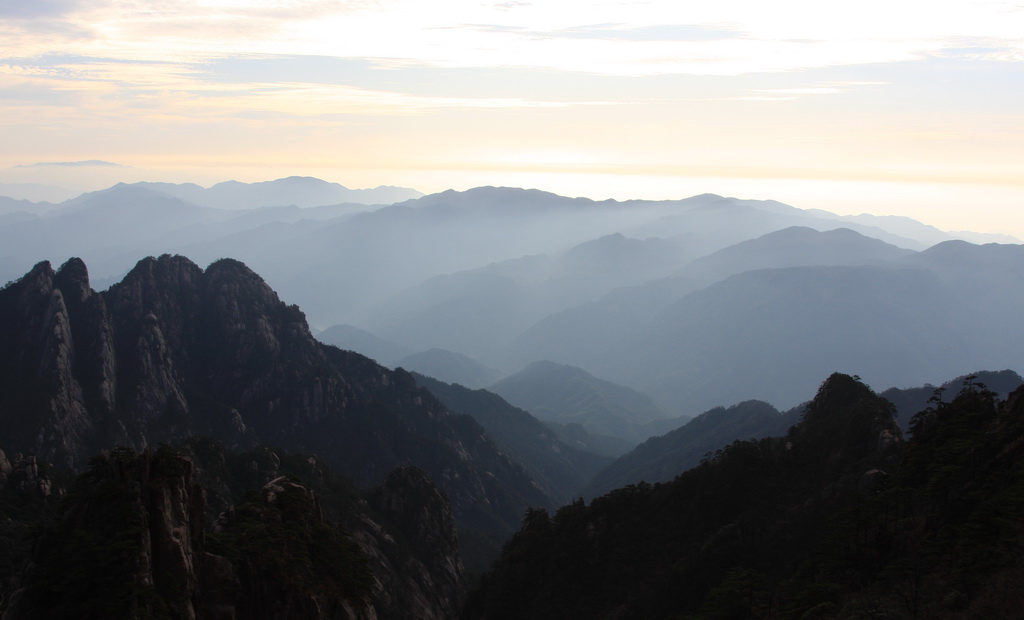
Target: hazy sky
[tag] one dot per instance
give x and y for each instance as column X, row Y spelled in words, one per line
column 888, row 106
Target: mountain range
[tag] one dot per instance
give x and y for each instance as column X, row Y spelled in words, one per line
column 691, row 301
column 907, row 319
column 294, row 477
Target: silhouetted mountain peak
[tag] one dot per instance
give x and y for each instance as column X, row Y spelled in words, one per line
column 496, row 199
column 543, row 368
column 792, row 247
column 38, row 278
column 174, row 351
column 549, row 372
column 305, row 180
column 662, row 458
column 450, row 367
column 957, row 251
column 837, row 392
column 600, row 248
column 566, row 394
column 135, row 195
column 73, row 273
column 845, row 425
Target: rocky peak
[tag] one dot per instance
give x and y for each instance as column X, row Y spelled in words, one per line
column 165, row 287
column 38, row 281
column 73, row 280
column 23, row 304
column 281, row 484
column 37, row 355
column 174, row 351
column 846, row 430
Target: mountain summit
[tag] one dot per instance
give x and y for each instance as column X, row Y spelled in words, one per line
column 174, row 351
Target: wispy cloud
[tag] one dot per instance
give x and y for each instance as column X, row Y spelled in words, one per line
column 39, row 9
column 617, row 38
column 115, row 89
column 73, row 164
column 814, row 90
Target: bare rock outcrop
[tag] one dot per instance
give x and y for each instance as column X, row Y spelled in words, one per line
column 175, row 351
column 425, row 569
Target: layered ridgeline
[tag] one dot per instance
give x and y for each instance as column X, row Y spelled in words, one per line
column 698, row 302
column 174, row 351
column 561, row 395
column 840, row 518
column 216, row 534
column 662, row 458
column 784, row 308
column 560, row 468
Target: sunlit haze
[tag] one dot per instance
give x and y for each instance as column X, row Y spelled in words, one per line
column 911, row 108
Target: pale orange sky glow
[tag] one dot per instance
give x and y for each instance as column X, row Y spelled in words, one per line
column 907, row 108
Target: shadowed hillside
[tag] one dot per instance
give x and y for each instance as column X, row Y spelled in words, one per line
column 840, row 518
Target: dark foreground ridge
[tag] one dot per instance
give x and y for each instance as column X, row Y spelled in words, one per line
column 163, row 535
column 840, row 518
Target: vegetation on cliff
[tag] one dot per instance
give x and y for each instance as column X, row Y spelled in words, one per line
column 840, row 518
column 134, row 537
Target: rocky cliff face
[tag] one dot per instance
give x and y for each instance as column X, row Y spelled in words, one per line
column 43, row 402
column 404, row 529
column 174, row 351
column 417, row 510
column 127, row 543
column 130, row 541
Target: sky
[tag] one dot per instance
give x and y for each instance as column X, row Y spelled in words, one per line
column 897, row 107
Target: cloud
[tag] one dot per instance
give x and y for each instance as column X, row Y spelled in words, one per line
column 601, row 37
column 90, row 163
column 626, row 32
column 38, row 9
column 810, row 90
column 112, row 90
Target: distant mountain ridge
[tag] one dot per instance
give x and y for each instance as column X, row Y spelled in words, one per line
column 363, row 342
column 564, row 394
column 448, row 232
column 509, row 276
column 909, row 319
column 298, row 191
column 909, row 401
column 662, row 458
column 450, row 367
column 795, row 246
column 561, row 469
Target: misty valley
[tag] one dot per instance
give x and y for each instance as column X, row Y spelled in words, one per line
column 292, row 399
